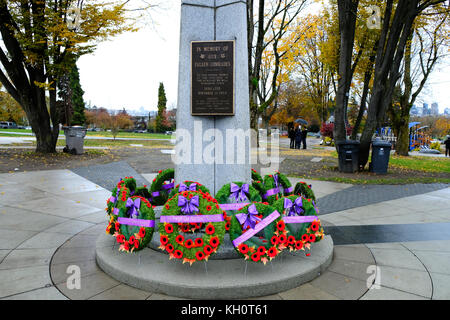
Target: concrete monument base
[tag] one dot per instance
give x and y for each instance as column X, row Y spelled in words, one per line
column 151, row 270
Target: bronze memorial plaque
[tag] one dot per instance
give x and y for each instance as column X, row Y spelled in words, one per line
column 212, row 78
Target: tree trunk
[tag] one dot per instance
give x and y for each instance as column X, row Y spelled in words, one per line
column 402, row 145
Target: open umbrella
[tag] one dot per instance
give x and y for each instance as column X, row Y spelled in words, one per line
column 302, row 122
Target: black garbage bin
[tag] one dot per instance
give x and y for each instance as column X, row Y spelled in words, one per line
column 381, row 151
column 348, row 153
column 74, row 139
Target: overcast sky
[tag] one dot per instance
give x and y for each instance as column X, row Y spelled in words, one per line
column 125, row 72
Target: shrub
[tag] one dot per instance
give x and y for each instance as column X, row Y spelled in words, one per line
column 436, row 146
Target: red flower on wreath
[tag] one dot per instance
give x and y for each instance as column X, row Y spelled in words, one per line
column 207, row 249
column 255, row 257
column 141, row 232
column 312, row 238
column 274, row 240
column 272, row 252
column 164, row 240
column 132, row 238
column 210, row 229
column 291, row 240
column 169, row 248
column 167, row 206
column 282, row 238
column 200, row 255
column 298, row 245
column 305, row 238
column 191, row 195
column 198, row 242
column 120, row 238
column 243, row 248
column 178, row 254
column 281, row 225
column 261, row 250
column 189, row 243
column 168, row 228
column 208, row 208
column 179, row 239
column 136, row 244
column 227, row 226
column 214, row 242
column 314, row 226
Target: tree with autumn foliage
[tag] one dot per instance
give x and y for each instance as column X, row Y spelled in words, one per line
column 38, row 46
column 10, row 110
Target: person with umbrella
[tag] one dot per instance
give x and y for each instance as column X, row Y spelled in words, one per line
column 304, row 133
column 291, row 135
column 298, row 137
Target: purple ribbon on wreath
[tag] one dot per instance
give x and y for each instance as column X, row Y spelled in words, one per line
column 133, row 207
column 188, row 206
column 248, row 219
column 114, row 199
column 293, row 208
column 183, row 187
column 275, row 190
column 239, row 193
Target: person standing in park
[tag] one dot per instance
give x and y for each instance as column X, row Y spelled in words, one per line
column 304, row 133
column 298, row 137
column 447, row 146
column 291, row 135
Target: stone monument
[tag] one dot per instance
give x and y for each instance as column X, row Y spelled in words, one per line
column 213, row 121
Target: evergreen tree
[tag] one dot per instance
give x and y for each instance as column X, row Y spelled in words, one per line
column 78, row 117
column 162, row 100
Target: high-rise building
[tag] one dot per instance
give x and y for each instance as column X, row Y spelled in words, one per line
column 447, row 111
column 414, row 111
column 434, row 109
column 425, row 110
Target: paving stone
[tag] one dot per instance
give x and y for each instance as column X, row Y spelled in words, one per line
column 384, row 293
column 122, row 292
column 21, row 219
column 21, row 258
column 388, row 245
column 95, row 198
column 159, row 296
column 435, row 261
column 8, row 193
column 23, row 279
column 397, row 258
column 354, row 269
column 70, row 227
column 408, row 280
column 3, row 253
column 340, row 286
column 307, row 292
column 10, row 239
column 58, row 206
column 50, row 293
column 271, row 297
column 81, row 241
column 441, row 286
column 438, row 245
column 45, row 240
column 359, row 253
column 91, row 285
column 66, row 255
column 95, row 217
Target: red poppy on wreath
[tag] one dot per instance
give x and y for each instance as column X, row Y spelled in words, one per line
column 169, row 248
column 214, row 242
column 126, row 246
column 207, row 249
column 191, row 195
column 208, row 208
column 227, row 226
column 281, row 225
column 198, row 242
column 305, row 238
column 185, row 228
column 117, row 226
column 210, row 229
column 164, row 240
column 132, row 238
column 272, row 252
column 200, row 255
column 167, row 206
column 314, row 226
column 274, row 240
column 291, row 240
column 312, row 238
column 255, row 257
column 282, row 238
column 120, row 238
column 169, row 228
column 298, row 245
column 243, row 248
column 179, row 239
column 189, row 243
column 136, row 244
column 261, row 250
column 178, row 254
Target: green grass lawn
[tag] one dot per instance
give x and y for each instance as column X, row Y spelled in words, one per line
column 96, row 134
column 426, row 164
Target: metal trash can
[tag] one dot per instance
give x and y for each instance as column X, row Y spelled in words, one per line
column 381, row 151
column 74, row 139
column 348, row 153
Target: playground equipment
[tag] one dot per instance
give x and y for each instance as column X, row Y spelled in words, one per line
column 419, row 137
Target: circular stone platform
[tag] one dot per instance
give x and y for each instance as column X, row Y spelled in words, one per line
column 151, row 270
